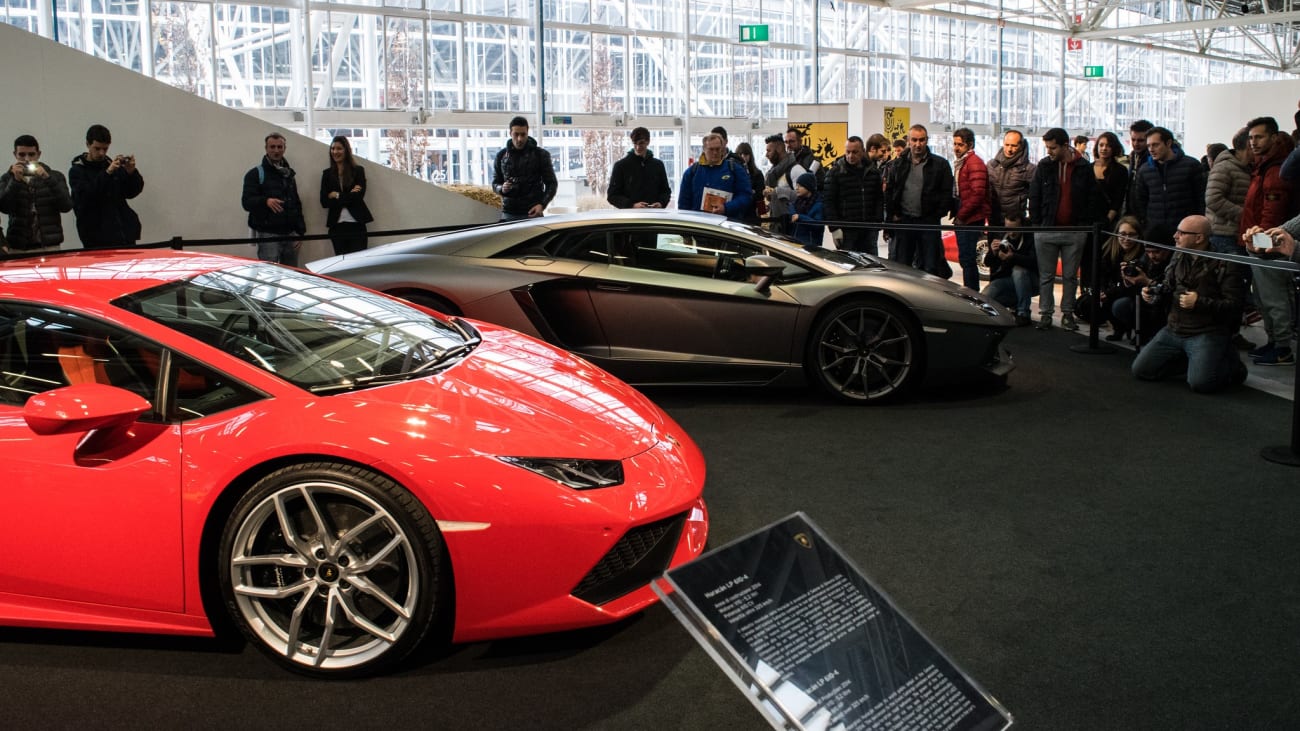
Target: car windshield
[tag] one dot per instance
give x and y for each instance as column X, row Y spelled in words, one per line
column 315, row 333
column 847, row 260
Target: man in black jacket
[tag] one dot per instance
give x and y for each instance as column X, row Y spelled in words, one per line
column 1063, row 192
column 919, row 191
column 274, row 209
column 639, row 180
column 101, row 187
column 853, row 195
column 522, row 175
column 34, row 196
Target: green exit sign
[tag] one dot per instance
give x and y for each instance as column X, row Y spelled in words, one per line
column 1094, row 72
column 753, row 33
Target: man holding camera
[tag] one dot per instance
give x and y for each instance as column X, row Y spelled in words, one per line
column 101, row 187
column 1205, row 297
column 1013, row 272
column 34, row 196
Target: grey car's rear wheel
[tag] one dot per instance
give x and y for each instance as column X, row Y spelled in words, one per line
column 331, row 569
column 865, row 351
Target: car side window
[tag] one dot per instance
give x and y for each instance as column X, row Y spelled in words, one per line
column 685, row 252
column 590, row 246
column 44, row 348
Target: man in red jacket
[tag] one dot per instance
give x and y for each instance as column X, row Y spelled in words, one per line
column 971, row 202
column 1270, row 201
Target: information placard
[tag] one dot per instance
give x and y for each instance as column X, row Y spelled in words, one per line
column 814, row 644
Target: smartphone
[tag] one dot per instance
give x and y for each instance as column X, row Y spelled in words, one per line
column 1261, row 240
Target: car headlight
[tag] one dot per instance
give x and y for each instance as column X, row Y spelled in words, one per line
column 579, row 474
column 974, row 301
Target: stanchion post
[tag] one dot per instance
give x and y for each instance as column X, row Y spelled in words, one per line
column 1094, row 345
column 1284, row 453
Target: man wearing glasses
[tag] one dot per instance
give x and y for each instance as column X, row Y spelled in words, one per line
column 35, row 197
column 639, row 180
column 1204, row 298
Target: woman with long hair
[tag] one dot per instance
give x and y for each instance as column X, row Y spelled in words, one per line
column 1112, row 176
column 1112, row 180
column 343, row 194
column 1120, row 257
column 746, row 154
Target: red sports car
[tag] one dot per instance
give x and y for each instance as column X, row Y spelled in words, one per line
column 338, row 471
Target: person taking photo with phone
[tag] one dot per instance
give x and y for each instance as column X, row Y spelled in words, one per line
column 35, row 197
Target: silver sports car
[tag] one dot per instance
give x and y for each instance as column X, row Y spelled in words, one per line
column 663, row 297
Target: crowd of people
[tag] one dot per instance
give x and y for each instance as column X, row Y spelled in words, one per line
column 1183, row 311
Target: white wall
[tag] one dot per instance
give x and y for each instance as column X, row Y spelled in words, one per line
column 192, row 153
column 1215, row 113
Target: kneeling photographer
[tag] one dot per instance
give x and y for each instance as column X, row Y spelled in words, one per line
column 1013, row 272
column 1128, row 311
column 1205, row 298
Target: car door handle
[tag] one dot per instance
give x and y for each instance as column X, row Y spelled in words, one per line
column 614, row 287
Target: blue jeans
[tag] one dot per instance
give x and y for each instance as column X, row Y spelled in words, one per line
column 970, row 273
column 280, row 252
column 1069, row 248
column 1210, row 359
column 1016, row 291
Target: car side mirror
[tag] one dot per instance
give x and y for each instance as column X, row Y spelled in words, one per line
column 762, row 270
column 83, row 407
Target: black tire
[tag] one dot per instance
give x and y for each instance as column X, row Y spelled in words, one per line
column 430, row 301
column 343, row 562
column 865, row 352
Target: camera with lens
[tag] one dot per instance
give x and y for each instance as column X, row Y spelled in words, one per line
column 1132, row 270
column 1004, row 246
column 1158, row 289
column 32, row 168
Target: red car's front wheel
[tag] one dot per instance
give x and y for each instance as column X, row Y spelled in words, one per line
column 331, row 569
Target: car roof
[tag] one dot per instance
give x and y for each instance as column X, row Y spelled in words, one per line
column 103, row 274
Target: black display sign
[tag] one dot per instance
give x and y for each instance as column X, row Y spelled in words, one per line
column 814, row 644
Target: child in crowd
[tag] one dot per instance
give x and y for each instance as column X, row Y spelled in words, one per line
column 806, row 214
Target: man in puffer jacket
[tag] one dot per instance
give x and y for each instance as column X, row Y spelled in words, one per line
column 1010, row 173
column 970, row 202
column 853, row 194
column 34, row 196
column 1271, row 201
column 1171, row 185
column 523, row 175
column 1225, row 192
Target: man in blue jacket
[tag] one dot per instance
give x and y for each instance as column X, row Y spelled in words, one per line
column 715, row 184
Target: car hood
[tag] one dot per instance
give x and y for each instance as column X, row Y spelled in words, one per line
column 517, row 396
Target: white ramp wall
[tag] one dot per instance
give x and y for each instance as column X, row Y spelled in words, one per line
column 1215, row 113
column 192, row 153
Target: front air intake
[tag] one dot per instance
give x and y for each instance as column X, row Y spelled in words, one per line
column 642, row 554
